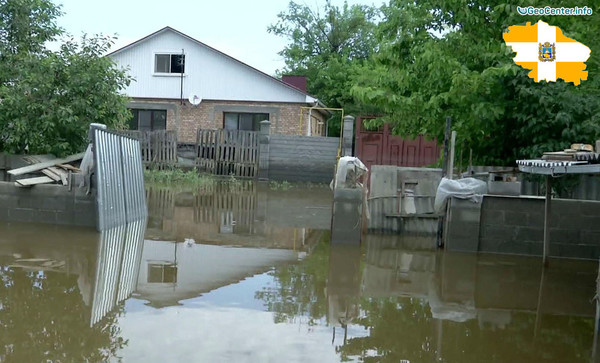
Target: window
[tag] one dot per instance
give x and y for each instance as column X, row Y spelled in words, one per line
column 160, row 272
column 169, row 63
column 148, row 120
column 243, row 121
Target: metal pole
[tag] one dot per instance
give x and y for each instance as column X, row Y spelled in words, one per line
column 181, row 79
column 547, row 219
column 446, row 146
column 595, row 355
column 460, row 158
column 538, row 311
column 451, row 159
column 470, row 162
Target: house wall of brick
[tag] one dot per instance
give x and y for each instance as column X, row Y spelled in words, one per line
column 286, row 118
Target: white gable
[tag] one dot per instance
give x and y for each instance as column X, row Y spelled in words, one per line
column 208, row 73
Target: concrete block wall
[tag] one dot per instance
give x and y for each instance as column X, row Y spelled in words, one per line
column 462, row 225
column 302, row 158
column 8, row 162
column 396, row 191
column 383, row 199
column 53, row 204
column 516, row 225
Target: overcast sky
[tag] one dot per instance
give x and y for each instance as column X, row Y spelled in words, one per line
column 235, row 27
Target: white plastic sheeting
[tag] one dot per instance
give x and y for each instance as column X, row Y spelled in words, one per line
column 349, row 171
column 467, row 188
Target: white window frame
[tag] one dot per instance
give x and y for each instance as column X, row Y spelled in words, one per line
column 167, row 52
column 162, row 264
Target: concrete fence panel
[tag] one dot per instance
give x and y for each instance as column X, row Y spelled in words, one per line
column 302, row 158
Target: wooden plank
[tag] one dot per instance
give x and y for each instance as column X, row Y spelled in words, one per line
column 63, row 175
column 44, row 165
column 69, row 167
column 50, row 174
column 33, row 181
column 34, row 159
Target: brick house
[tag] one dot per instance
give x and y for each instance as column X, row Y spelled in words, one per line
column 173, row 71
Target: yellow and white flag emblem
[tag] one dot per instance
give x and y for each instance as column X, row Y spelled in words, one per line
column 547, row 52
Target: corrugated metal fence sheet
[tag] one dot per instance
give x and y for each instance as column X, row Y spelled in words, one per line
column 119, row 254
column 122, row 216
column 119, row 179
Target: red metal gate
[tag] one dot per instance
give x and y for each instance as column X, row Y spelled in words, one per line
column 382, row 148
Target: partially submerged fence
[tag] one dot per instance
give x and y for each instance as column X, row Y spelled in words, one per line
column 119, row 178
column 158, row 148
column 230, row 206
column 117, row 267
column 227, row 152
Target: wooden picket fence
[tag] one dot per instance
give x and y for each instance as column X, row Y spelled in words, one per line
column 227, row 152
column 222, row 203
column 159, row 148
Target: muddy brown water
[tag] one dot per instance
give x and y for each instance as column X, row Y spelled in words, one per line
column 243, row 273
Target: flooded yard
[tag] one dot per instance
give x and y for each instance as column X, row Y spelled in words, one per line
column 244, row 272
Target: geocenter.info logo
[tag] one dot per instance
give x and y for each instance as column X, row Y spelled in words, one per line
column 530, row 10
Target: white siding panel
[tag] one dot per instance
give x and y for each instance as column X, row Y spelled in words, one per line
column 207, row 72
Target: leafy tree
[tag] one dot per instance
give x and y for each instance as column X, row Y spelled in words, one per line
column 439, row 58
column 50, row 98
column 44, row 318
column 299, row 288
column 327, row 45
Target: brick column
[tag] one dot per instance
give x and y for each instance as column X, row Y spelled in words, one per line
column 263, row 154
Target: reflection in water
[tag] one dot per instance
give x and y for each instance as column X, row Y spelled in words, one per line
column 240, row 213
column 58, row 292
column 423, row 305
column 119, row 254
column 174, row 271
column 343, row 286
column 240, row 273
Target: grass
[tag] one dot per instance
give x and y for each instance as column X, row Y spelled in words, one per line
column 192, row 180
column 280, row 185
column 177, row 178
column 285, row 185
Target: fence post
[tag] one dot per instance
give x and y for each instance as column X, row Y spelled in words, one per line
column 446, row 146
column 263, row 152
column 347, row 135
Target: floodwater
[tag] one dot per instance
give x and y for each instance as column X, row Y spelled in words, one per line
column 240, row 273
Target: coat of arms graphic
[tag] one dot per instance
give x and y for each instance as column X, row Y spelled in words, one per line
column 547, row 52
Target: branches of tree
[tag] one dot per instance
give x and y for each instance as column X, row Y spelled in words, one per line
column 327, row 45
column 426, row 60
column 49, row 98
